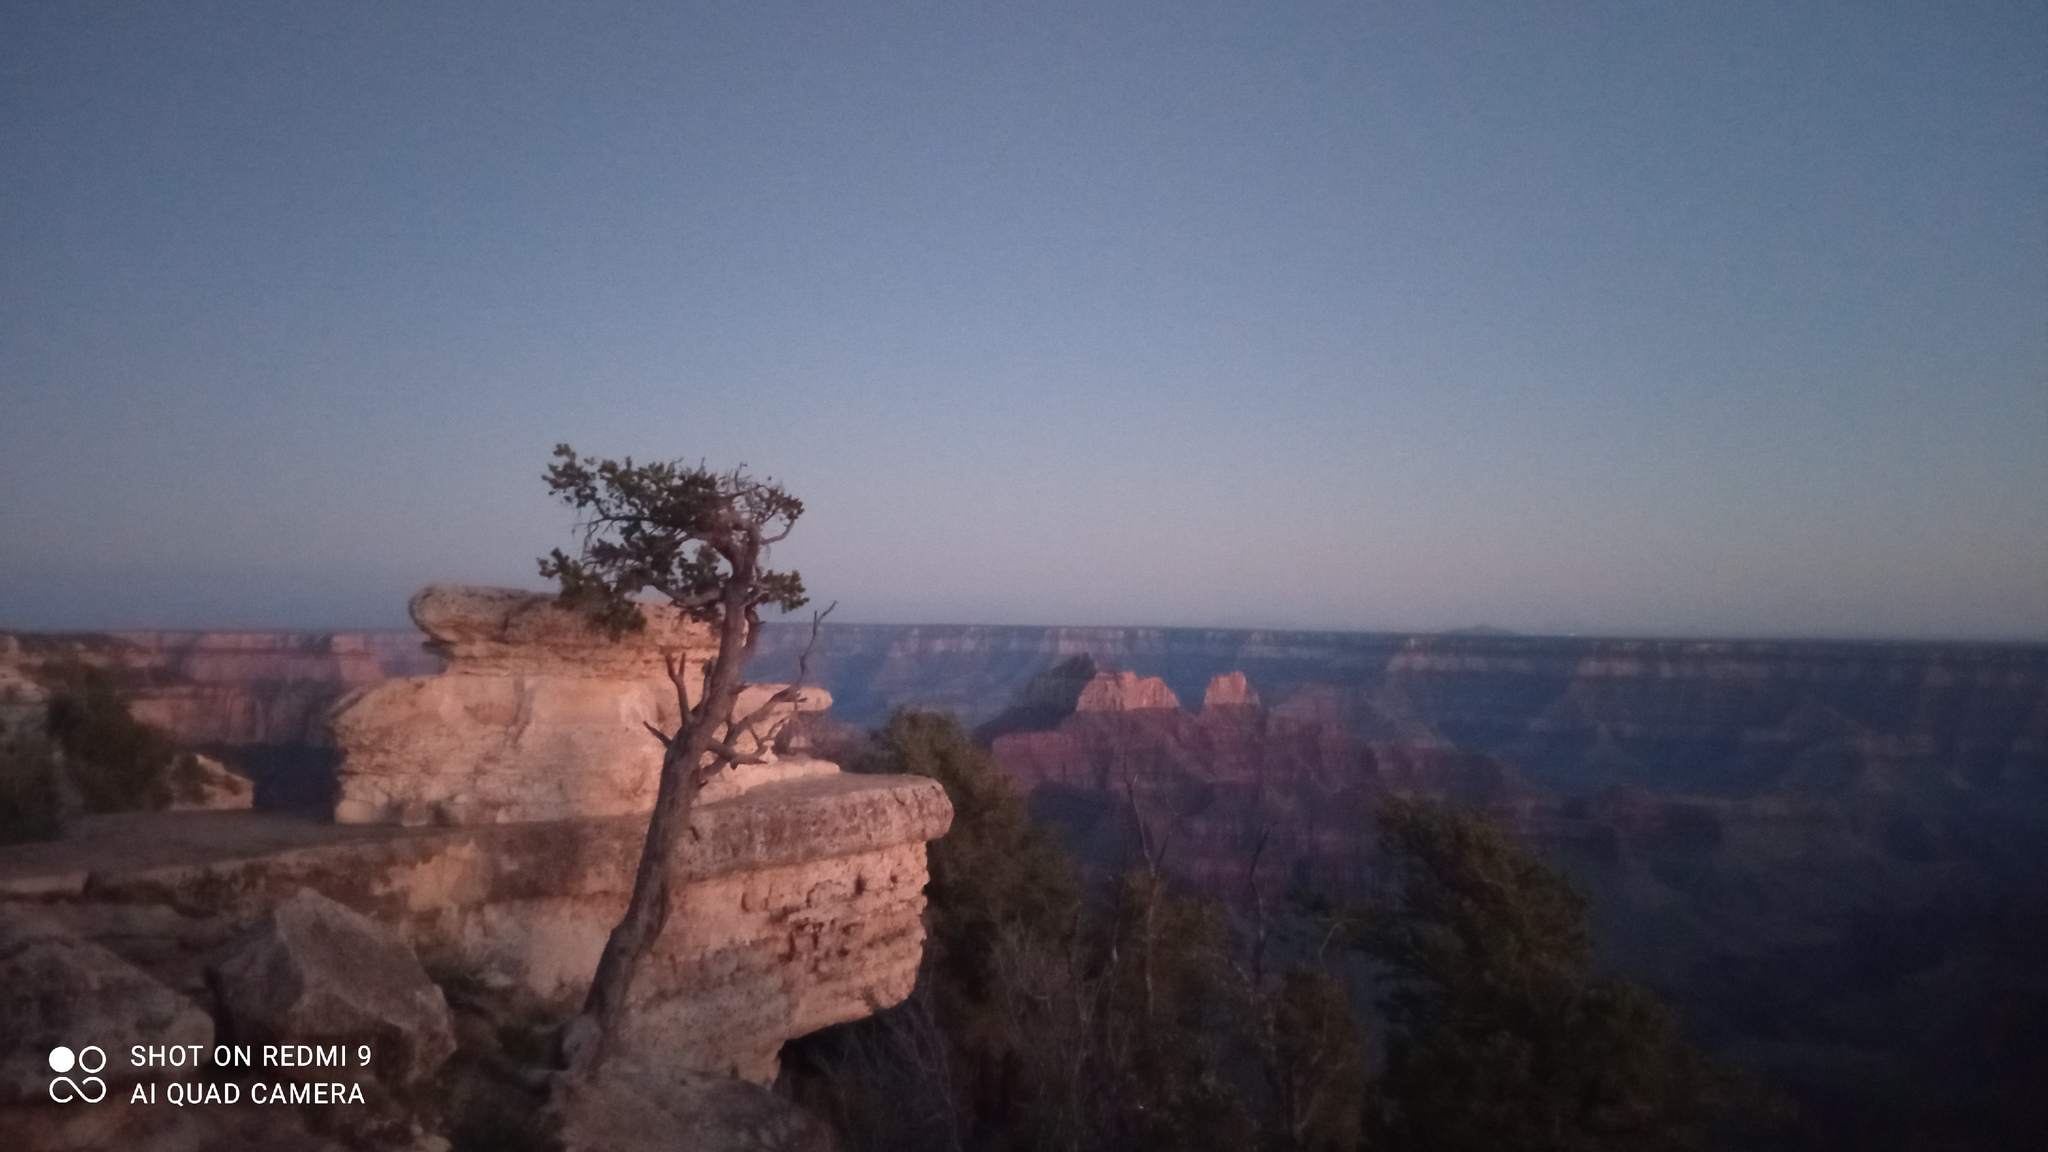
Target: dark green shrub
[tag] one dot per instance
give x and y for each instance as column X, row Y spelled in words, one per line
column 29, row 804
column 115, row 762
column 1502, row 1038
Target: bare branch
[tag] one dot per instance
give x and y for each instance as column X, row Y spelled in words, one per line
column 792, row 691
column 667, row 741
column 730, row 755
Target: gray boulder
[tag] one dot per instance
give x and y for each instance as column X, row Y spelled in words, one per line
column 315, row 972
column 56, row 989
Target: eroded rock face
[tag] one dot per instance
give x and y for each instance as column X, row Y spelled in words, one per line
column 505, row 631
column 316, row 972
column 1230, row 690
column 798, row 904
column 540, row 716
column 1125, row 692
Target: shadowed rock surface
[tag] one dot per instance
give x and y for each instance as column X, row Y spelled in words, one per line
column 316, row 972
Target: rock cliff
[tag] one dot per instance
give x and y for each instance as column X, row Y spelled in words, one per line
column 1125, row 692
column 492, row 819
column 540, row 716
column 1575, row 715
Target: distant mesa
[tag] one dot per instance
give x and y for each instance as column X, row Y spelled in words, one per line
column 1125, row 692
column 1229, row 690
column 1480, row 630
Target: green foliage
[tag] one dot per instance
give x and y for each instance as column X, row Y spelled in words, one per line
column 483, row 1098
column 1173, row 1013
column 680, row 530
column 1041, row 1020
column 1501, row 1038
column 1317, row 1063
column 113, row 761
column 994, row 873
column 1134, row 1018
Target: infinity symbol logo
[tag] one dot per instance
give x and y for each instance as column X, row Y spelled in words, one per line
column 90, row 1088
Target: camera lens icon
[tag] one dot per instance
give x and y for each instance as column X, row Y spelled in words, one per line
column 89, row 1088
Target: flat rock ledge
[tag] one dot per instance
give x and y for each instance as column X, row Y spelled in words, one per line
column 799, row 905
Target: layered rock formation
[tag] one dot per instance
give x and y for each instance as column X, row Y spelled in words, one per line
column 1577, row 715
column 540, row 716
column 1125, row 692
column 798, row 906
column 803, row 888
column 1234, row 795
column 493, row 819
column 1229, row 690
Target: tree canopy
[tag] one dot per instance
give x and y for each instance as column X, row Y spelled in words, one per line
column 681, row 531
column 1502, row 1038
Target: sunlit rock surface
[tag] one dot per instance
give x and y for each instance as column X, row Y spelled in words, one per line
column 1125, row 692
column 797, row 906
column 540, row 716
column 492, row 817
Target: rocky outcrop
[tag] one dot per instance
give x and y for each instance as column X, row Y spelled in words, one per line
column 1236, row 794
column 506, row 806
column 201, row 783
column 315, row 972
column 797, row 904
column 1229, row 690
column 540, row 716
column 1125, row 692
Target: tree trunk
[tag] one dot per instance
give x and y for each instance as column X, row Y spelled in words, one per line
column 684, row 767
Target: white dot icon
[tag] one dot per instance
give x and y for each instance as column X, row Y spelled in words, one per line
column 61, row 1060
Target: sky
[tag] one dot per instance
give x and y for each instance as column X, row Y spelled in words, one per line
column 1715, row 319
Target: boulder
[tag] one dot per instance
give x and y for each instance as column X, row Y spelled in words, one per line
column 317, row 972
column 58, row 990
column 201, row 783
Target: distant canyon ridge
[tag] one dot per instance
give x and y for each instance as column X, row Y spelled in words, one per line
column 1572, row 717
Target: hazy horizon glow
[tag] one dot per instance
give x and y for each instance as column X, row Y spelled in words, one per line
column 1591, row 318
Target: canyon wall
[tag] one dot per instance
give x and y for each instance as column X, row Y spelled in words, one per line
column 1574, row 715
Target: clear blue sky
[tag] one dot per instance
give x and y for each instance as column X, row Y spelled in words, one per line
column 1712, row 318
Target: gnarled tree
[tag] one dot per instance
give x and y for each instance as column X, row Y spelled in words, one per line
column 698, row 539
